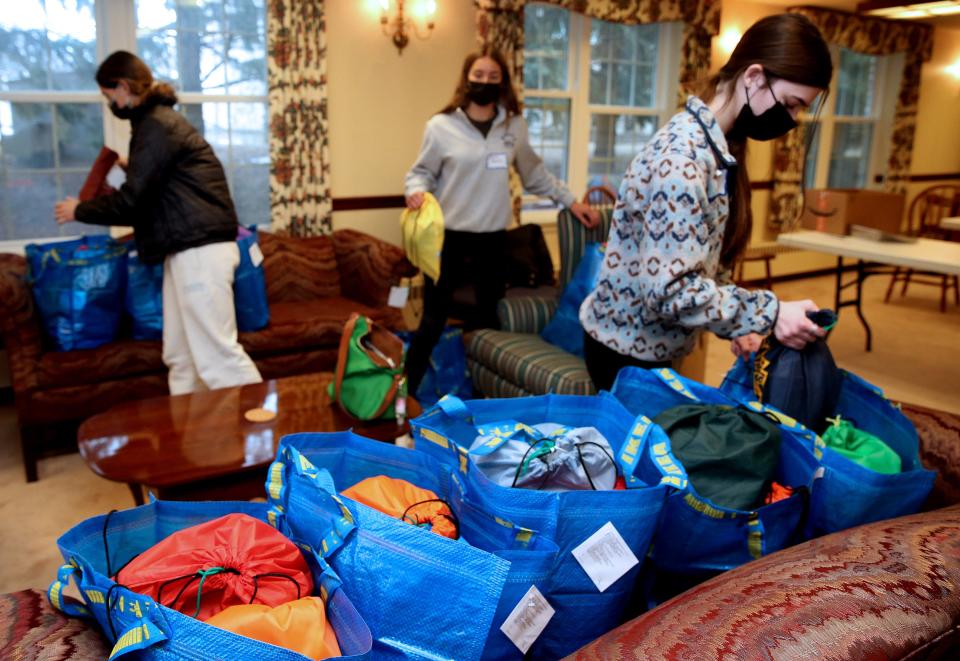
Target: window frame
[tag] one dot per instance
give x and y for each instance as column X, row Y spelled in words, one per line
column 577, row 92
column 887, row 84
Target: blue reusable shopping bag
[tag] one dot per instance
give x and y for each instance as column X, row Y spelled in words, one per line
column 847, row 494
column 137, row 624
column 447, row 372
column 697, row 536
column 564, row 329
column 424, row 596
column 582, row 612
column 350, row 458
column 144, row 297
column 78, row 287
column 250, row 284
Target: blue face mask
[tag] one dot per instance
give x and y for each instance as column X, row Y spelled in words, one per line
column 770, row 124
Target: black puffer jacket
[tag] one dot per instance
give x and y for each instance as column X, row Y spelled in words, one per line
column 176, row 194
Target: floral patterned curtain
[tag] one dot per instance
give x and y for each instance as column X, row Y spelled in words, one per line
column 501, row 22
column 871, row 36
column 297, row 93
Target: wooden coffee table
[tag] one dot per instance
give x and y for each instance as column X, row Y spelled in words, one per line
column 200, row 446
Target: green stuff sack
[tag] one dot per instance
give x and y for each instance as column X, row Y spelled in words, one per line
column 861, row 447
column 368, row 383
column 730, row 454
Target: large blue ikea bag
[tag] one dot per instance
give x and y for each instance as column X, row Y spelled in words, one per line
column 582, row 612
column 424, row 596
column 138, row 625
column 696, row 535
column 847, row 494
column 78, row 287
column 143, row 299
column 350, row 458
column 250, row 284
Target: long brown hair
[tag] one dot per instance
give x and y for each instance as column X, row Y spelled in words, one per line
column 787, row 46
column 122, row 65
column 508, row 97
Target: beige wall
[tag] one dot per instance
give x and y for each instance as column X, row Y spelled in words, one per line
column 379, row 102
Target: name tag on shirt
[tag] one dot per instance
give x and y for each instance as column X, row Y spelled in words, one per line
column 497, row 161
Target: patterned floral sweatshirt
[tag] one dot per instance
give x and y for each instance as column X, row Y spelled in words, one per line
column 660, row 282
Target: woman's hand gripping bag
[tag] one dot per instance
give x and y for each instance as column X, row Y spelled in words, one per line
column 696, row 535
column 844, row 493
column 101, row 547
column 354, row 461
column 582, row 610
column 424, row 596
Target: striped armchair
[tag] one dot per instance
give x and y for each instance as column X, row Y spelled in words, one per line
column 515, row 361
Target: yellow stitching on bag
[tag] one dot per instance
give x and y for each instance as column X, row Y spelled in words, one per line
column 755, row 537
column 463, row 463
column 672, row 480
column 434, row 437
column 524, row 536
column 94, row 596
column 276, row 480
column 132, row 637
column 55, row 589
column 136, row 609
column 146, row 632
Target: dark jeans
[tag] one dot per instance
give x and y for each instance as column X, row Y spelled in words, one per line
column 603, row 363
column 467, row 258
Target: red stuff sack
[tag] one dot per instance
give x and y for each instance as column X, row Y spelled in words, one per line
column 235, row 559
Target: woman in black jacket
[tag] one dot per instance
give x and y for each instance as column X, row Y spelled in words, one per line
column 177, row 200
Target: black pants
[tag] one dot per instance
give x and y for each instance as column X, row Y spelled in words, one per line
column 467, row 258
column 603, row 363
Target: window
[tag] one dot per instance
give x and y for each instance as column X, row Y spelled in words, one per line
column 595, row 91
column 850, row 143
column 53, row 119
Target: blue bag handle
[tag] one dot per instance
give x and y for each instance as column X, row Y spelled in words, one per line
column 144, row 634
column 645, row 434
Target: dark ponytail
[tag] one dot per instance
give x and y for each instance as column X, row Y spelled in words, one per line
column 787, row 46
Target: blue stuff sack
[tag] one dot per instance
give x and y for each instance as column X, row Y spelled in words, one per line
column 78, row 287
column 143, row 300
column 138, row 625
column 697, row 536
column 250, row 284
column 350, row 459
column 424, row 596
column 564, row 329
column 582, row 612
column 845, row 493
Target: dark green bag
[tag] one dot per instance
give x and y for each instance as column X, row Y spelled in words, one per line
column 730, row 454
column 368, row 383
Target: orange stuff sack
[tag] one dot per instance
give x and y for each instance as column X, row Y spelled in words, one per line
column 233, row 560
column 301, row 626
column 407, row 502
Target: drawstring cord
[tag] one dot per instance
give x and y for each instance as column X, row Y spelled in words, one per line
column 451, row 517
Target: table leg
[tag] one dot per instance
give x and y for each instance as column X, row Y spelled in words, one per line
column 137, row 492
column 862, row 273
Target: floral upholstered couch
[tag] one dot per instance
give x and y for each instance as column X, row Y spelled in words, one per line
column 313, row 284
column 887, row 590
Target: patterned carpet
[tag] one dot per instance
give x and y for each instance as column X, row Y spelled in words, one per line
column 31, row 630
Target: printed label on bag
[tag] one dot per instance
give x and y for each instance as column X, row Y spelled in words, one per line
column 528, row 619
column 398, row 297
column 256, row 256
column 605, row 556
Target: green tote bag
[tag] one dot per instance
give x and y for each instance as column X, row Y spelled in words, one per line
column 368, row 383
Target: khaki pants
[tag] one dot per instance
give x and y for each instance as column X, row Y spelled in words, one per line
column 200, row 345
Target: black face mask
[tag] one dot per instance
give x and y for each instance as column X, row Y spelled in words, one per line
column 483, row 94
column 120, row 113
column 770, row 124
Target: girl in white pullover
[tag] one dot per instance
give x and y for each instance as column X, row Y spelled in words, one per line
column 464, row 161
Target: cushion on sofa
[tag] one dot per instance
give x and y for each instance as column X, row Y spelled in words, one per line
column 529, row 362
column 887, row 590
column 298, row 268
column 304, row 324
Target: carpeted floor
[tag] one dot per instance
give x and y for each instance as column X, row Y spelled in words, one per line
column 915, row 359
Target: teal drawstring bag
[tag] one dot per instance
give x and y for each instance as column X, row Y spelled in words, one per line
column 861, row 447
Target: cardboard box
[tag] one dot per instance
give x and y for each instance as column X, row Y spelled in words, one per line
column 835, row 210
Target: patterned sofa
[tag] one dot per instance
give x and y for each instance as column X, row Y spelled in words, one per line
column 888, row 590
column 313, row 284
column 515, row 361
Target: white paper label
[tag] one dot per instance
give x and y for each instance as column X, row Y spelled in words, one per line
column 398, row 297
column 605, row 556
column 497, row 161
column 528, row 619
column 116, row 177
column 256, row 256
